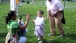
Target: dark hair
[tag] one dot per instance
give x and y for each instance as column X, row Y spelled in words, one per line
column 41, row 11
column 10, row 14
column 10, row 40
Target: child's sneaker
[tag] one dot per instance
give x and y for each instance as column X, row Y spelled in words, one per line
column 17, row 14
column 40, row 41
column 20, row 5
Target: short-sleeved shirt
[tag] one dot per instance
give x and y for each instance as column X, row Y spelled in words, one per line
column 12, row 25
column 54, row 5
column 39, row 21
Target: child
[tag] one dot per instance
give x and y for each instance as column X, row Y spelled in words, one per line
column 39, row 26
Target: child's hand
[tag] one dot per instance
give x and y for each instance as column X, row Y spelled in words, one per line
column 44, row 18
column 32, row 20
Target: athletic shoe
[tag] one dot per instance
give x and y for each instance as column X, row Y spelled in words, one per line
column 51, row 34
column 40, row 41
column 62, row 35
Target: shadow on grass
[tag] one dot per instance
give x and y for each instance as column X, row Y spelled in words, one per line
column 71, row 36
column 2, row 37
column 54, row 41
column 33, row 39
column 45, row 41
column 1, row 41
column 2, row 34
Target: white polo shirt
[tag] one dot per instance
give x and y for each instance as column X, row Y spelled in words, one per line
column 54, row 5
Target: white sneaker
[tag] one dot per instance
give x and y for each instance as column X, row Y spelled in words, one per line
column 20, row 5
column 40, row 41
column 17, row 14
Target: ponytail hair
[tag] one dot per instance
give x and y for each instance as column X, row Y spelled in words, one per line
column 8, row 17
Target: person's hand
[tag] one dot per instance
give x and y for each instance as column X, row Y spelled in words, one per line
column 44, row 18
column 27, row 17
column 54, row 14
column 32, row 20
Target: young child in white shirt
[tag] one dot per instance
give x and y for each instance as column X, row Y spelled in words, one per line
column 39, row 26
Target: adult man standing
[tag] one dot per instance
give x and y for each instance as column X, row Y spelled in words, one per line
column 54, row 11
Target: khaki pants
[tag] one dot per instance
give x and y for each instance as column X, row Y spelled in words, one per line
column 56, row 20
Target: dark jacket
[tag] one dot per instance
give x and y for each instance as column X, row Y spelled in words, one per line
column 63, row 20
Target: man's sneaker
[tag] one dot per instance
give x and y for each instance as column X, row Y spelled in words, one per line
column 17, row 14
column 62, row 35
column 51, row 34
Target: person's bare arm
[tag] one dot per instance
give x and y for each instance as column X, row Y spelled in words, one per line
column 26, row 23
column 48, row 14
column 32, row 20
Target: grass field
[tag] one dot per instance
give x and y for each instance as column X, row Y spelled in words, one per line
column 69, row 27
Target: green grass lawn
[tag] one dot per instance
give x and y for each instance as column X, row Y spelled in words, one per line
column 69, row 27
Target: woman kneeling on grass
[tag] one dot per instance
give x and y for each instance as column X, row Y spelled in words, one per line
column 14, row 27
